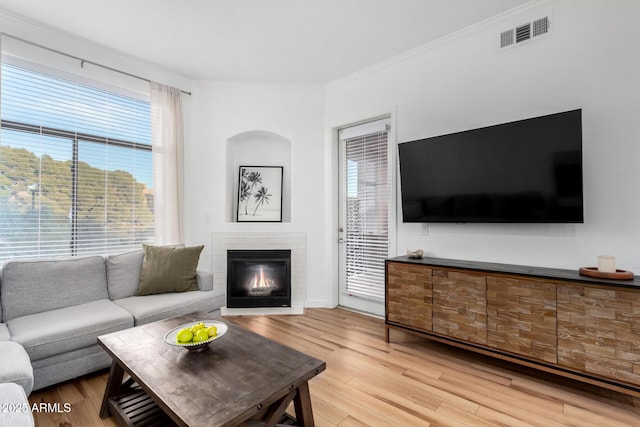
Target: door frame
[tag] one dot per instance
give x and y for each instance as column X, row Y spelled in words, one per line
column 357, row 303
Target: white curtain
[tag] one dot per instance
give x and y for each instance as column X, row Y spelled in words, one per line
column 168, row 160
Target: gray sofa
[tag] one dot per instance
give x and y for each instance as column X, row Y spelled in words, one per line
column 57, row 307
column 16, row 411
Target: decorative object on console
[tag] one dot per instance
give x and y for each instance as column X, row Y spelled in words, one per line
column 417, row 254
column 616, row 275
column 260, row 194
column 606, row 269
column 606, row 264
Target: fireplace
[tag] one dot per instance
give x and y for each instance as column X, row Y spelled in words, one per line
column 258, row 278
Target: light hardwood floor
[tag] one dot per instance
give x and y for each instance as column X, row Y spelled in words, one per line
column 408, row 382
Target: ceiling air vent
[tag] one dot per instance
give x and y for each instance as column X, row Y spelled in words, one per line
column 540, row 26
column 525, row 32
column 506, row 38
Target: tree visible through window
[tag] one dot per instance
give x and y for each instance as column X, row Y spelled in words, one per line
column 75, row 167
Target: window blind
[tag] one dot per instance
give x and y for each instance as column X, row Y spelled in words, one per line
column 368, row 204
column 75, row 166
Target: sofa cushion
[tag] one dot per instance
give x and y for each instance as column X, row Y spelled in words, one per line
column 204, row 280
column 168, row 269
column 4, row 332
column 70, row 328
column 33, row 286
column 12, row 396
column 123, row 273
column 156, row 307
column 15, row 366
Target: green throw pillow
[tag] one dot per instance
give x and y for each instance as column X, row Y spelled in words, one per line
column 168, row 269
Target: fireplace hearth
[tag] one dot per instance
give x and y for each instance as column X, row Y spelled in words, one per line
column 258, row 278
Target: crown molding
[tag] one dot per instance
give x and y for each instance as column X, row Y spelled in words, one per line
column 442, row 41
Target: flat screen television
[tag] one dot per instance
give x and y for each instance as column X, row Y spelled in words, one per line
column 527, row 171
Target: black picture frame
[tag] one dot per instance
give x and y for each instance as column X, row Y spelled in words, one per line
column 259, row 194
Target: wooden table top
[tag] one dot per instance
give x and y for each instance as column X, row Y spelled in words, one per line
column 225, row 383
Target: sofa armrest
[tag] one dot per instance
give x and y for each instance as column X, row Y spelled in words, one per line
column 14, row 396
column 204, row 280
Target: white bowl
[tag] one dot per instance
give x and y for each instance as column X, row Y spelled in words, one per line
column 170, row 337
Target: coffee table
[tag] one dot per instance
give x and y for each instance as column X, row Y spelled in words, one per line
column 238, row 378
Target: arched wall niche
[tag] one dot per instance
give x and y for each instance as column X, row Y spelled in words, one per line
column 258, row 148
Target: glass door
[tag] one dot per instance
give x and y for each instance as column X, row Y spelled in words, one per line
column 365, row 213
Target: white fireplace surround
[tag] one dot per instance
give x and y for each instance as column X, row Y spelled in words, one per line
column 295, row 241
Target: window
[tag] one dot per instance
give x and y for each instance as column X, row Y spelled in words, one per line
column 75, row 166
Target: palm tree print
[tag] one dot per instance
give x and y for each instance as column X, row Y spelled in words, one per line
column 248, row 183
column 254, row 194
column 254, row 178
column 261, row 197
column 245, row 194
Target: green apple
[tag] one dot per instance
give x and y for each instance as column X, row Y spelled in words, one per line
column 195, row 328
column 212, row 331
column 201, row 335
column 184, row 335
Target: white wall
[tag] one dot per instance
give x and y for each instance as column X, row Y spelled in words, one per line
column 221, row 111
column 589, row 60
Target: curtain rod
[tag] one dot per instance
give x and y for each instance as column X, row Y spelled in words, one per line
column 82, row 60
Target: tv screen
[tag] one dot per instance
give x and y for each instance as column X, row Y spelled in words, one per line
column 528, row 171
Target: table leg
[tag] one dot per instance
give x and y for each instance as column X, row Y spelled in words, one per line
column 302, row 405
column 114, row 386
column 276, row 411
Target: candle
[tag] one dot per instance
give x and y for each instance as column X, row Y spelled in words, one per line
column 606, row 264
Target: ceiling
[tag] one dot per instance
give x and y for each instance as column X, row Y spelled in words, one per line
column 279, row 41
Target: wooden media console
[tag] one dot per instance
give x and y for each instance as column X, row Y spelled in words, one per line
column 555, row 320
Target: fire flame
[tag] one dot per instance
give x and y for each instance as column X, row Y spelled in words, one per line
column 259, row 281
column 261, row 285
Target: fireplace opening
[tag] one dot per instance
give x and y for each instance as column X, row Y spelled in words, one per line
column 258, row 278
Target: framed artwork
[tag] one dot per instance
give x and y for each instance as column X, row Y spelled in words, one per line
column 259, row 194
